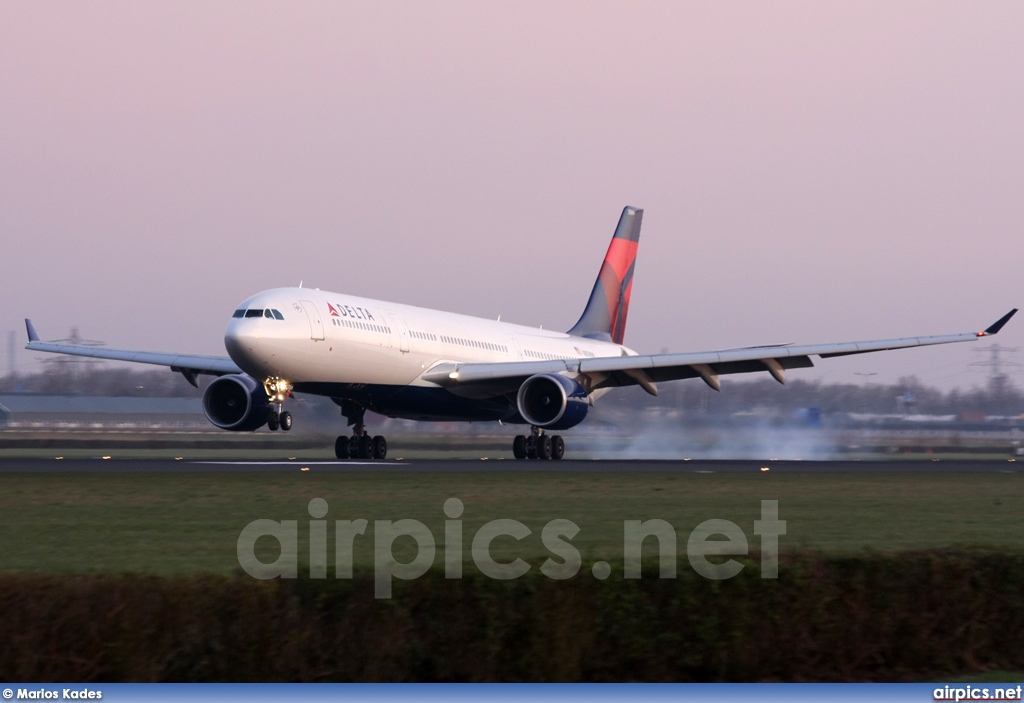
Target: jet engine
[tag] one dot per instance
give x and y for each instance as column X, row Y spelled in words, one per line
column 237, row 403
column 553, row 402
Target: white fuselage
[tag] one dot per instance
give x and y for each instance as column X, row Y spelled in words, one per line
column 329, row 337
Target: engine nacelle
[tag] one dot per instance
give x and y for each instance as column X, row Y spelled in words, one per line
column 237, row 403
column 553, row 402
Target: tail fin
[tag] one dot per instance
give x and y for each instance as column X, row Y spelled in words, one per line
column 605, row 314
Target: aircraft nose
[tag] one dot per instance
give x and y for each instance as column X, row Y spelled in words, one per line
column 243, row 346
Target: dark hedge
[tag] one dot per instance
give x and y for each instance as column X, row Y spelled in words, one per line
column 899, row 617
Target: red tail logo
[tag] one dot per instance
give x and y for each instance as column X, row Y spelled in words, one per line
column 617, row 280
column 605, row 314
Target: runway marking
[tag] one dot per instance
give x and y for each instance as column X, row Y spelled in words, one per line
column 307, row 463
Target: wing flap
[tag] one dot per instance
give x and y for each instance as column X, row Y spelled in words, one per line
column 706, row 368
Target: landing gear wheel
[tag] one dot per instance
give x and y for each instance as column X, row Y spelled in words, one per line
column 531, row 447
column 365, row 447
column 380, row 447
column 519, row 447
column 543, row 447
column 286, row 421
column 353, row 447
column 557, row 447
column 341, row 447
column 273, row 422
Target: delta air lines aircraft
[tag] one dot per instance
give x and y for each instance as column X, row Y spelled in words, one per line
column 411, row 362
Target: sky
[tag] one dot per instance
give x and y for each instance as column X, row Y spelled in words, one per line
column 810, row 172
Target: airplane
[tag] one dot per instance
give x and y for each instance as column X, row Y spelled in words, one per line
column 403, row 361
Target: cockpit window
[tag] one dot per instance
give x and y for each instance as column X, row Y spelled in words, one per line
column 268, row 313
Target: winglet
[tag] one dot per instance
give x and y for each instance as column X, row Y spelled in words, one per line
column 32, row 336
column 998, row 324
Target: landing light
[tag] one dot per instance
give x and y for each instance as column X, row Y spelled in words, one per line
column 454, row 375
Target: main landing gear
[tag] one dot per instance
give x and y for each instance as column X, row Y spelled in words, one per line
column 538, row 446
column 277, row 390
column 360, row 445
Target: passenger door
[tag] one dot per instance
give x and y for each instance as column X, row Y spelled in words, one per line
column 399, row 333
column 316, row 325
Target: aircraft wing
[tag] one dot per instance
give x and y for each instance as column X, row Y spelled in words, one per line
column 647, row 371
column 188, row 366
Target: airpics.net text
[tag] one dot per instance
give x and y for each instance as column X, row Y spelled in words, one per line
column 711, row 538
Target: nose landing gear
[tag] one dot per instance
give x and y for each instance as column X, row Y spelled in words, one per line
column 538, row 446
column 277, row 390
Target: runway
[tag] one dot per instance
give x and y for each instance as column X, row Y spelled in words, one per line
column 99, row 465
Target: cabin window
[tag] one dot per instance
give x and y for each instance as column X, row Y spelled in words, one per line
column 254, row 313
column 239, row 313
column 277, row 314
column 267, row 314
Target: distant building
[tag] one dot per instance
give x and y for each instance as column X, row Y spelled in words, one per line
column 28, row 410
